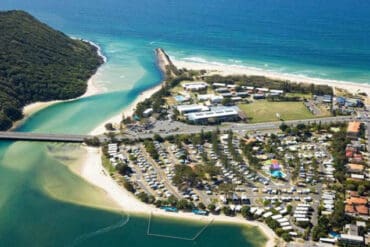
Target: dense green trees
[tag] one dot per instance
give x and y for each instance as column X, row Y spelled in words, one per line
column 150, row 148
column 38, row 63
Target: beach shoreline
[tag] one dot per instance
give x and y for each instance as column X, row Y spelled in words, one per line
column 94, row 173
column 232, row 69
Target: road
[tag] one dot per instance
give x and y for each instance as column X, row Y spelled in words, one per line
column 28, row 136
column 165, row 128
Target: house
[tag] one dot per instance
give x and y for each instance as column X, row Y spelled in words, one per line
column 235, row 99
column 356, row 205
column 226, row 95
column 195, row 86
column 259, row 96
column 216, row 84
column 353, row 129
column 355, row 168
column 276, row 92
column 241, row 94
column 222, row 90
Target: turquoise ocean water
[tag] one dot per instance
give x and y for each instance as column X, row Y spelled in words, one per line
column 320, row 39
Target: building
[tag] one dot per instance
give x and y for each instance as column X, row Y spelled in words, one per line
column 216, row 84
column 204, row 97
column 351, row 240
column 185, row 109
column 214, row 115
column 195, row 86
column 236, row 99
column 353, row 129
column 216, row 99
column 354, row 103
column 222, row 90
column 356, row 205
column 355, row 168
column 276, row 92
column 327, row 98
column 242, row 94
column 259, row 96
column 226, row 95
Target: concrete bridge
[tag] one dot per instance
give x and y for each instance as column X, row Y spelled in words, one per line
column 31, row 136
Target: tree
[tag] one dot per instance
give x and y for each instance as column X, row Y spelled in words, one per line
column 143, row 197
column 211, row 207
column 361, row 189
column 95, row 142
column 172, row 200
column 128, row 186
column 13, row 113
column 158, row 137
column 201, row 205
column 123, row 169
column 246, row 212
column 109, row 126
column 283, row 127
column 227, row 211
column 226, row 101
column 184, row 175
column 184, row 204
column 49, row 66
column 286, row 237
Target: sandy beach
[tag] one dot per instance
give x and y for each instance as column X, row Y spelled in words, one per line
column 225, row 69
column 93, row 172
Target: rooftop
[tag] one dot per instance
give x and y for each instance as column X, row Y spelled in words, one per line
column 353, row 127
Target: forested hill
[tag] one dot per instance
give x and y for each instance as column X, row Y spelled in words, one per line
column 38, row 63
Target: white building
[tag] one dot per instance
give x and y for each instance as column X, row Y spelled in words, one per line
column 184, row 109
column 217, row 113
column 195, row 86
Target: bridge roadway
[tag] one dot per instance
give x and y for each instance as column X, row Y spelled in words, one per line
column 30, row 136
column 163, row 128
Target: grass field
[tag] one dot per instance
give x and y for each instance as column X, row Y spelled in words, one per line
column 264, row 111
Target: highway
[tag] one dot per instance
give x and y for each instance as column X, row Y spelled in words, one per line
column 165, row 128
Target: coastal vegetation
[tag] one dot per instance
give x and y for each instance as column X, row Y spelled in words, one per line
column 38, row 63
column 262, row 81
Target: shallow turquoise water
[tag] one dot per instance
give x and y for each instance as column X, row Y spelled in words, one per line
column 321, row 39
